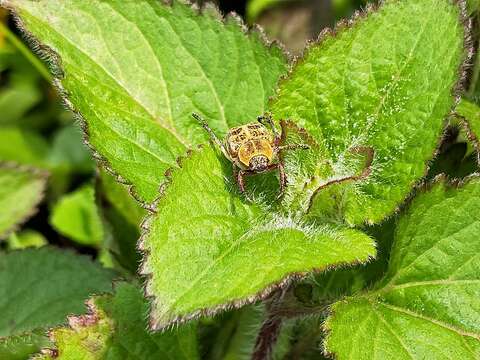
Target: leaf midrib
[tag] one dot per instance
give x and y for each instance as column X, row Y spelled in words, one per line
column 159, row 66
column 429, row 319
column 202, row 71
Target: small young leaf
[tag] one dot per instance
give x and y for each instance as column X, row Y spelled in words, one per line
column 115, row 328
column 26, row 238
column 136, row 70
column 471, row 113
column 208, row 249
column 427, row 304
column 76, row 216
column 383, row 81
column 21, row 190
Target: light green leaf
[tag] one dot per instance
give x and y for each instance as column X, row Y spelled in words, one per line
column 256, row 7
column 76, row 216
column 208, row 250
column 38, row 289
column 26, row 238
column 427, row 306
column 23, row 147
column 470, row 112
column 115, row 328
column 136, row 70
column 21, row 189
column 384, row 81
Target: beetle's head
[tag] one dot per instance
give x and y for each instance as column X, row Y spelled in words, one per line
column 258, row 163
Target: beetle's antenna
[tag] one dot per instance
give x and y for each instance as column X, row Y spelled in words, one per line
column 267, row 118
column 214, row 137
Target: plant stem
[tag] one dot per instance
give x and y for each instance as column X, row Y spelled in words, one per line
column 268, row 334
column 20, row 46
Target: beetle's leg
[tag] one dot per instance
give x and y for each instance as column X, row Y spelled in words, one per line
column 267, row 119
column 210, row 132
column 241, row 181
column 281, row 174
column 283, row 180
column 240, row 176
column 293, row 147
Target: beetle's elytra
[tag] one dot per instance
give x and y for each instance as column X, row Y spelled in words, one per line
column 253, row 148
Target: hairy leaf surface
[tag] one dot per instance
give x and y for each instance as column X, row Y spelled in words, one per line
column 207, row 249
column 21, row 189
column 427, row 305
column 40, row 287
column 136, row 70
column 115, row 328
column 383, row 81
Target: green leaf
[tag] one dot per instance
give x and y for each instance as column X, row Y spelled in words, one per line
column 473, row 5
column 115, row 328
column 138, row 69
column 236, row 338
column 76, row 216
column 470, row 112
column 256, row 7
column 24, row 147
column 237, row 332
column 20, row 347
column 208, row 250
column 384, row 81
column 124, row 215
column 427, row 305
column 21, row 189
column 26, row 238
column 38, row 289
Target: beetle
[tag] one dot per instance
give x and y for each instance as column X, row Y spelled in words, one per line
column 253, row 148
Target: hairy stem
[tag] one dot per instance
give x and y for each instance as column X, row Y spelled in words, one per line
column 268, row 334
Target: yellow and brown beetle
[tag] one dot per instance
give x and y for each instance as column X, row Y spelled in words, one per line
column 253, row 149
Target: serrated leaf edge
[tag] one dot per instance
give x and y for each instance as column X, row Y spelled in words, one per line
column 156, row 325
column 54, row 63
column 456, row 90
column 472, row 137
column 421, row 188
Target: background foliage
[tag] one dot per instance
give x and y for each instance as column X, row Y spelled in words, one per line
column 85, row 211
